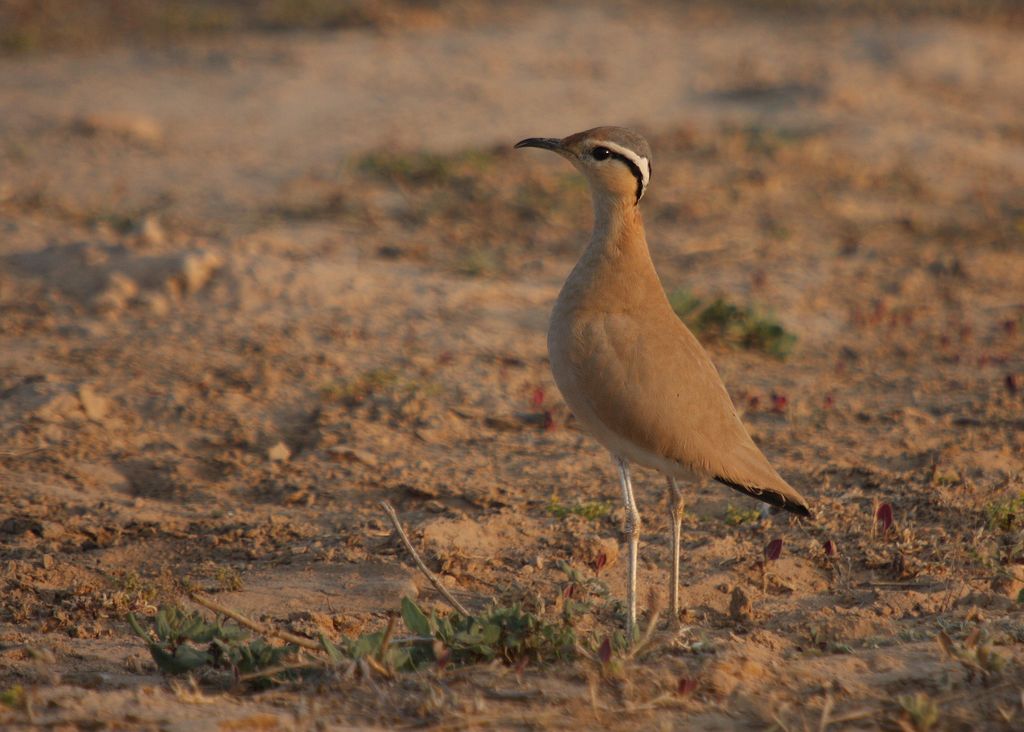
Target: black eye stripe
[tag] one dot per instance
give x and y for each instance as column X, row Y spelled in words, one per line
column 603, row 153
column 635, row 170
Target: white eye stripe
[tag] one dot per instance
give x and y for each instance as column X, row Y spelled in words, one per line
column 642, row 163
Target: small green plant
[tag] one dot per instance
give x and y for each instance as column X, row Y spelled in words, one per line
column 406, row 167
column 356, row 389
column 975, row 654
column 1006, row 515
column 740, row 327
column 132, row 584
column 477, row 263
column 418, row 167
column 13, row 697
column 579, row 589
column 228, row 579
column 739, row 516
column 590, row 510
column 822, row 639
column 683, row 302
column 506, row 633
column 920, row 712
column 181, row 641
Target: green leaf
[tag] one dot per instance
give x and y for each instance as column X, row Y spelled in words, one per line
column 137, row 628
column 184, row 659
column 445, row 631
column 490, row 634
column 190, row 657
column 400, row 658
column 163, row 625
column 231, row 632
column 367, row 645
column 333, row 653
column 198, row 630
column 415, row 620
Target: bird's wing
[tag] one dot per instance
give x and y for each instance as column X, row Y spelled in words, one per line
column 652, row 383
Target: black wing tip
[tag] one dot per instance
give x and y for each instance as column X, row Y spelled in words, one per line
column 768, row 496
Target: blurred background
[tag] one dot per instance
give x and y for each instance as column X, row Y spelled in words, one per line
column 264, row 264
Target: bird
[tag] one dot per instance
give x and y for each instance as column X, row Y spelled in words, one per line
column 632, row 373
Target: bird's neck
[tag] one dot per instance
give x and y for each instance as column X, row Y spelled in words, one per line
column 618, row 231
column 615, row 271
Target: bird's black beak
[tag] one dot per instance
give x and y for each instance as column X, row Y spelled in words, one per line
column 544, row 143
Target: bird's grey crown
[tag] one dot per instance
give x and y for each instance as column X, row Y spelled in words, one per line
column 623, row 136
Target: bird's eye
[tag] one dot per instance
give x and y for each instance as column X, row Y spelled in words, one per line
column 601, row 153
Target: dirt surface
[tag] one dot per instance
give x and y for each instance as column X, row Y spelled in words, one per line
column 250, row 286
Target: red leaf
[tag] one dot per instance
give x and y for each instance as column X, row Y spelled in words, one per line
column 830, row 548
column 538, row 396
column 605, row 651
column 549, row 420
column 829, row 401
column 773, row 550
column 884, row 516
column 599, row 561
column 779, row 402
column 686, row 686
column 569, row 590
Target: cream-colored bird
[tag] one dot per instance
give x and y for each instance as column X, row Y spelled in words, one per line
column 630, row 370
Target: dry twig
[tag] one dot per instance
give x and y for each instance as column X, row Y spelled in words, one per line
column 253, row 625
column 390, row 511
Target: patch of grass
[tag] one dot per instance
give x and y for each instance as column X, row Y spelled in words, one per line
column 1006, row 515
column 824, row 640
column 228, row 579
column 181, row 641
column 738, row 326
column 506, row 633
column 133, row 584
column 358, row 388
column 590, row 510
column 478, row 263
column 420, row 167
column 739, row 516
column 975, row 654
column 13, row 697
column 920, row 712
column 683, row 303
column 415, row 167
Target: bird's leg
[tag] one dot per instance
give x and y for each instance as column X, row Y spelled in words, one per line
column 633, row 536
column 675, row 509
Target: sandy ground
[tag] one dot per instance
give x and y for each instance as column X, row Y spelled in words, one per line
column 250, row 287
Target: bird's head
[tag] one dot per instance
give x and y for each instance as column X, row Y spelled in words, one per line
column 615, row 160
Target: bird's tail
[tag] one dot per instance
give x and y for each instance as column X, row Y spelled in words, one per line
column 792, row 502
